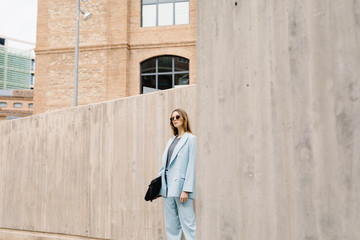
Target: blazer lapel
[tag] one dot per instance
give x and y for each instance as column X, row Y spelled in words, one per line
column 178, row 146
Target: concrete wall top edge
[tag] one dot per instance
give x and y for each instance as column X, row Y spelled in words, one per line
column 100, row 103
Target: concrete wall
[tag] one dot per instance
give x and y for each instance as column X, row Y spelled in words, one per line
column 278, row 119
column 277, row 125
column 83, row 172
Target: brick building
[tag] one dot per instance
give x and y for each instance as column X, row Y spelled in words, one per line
column 126, row 48
column 15, row 104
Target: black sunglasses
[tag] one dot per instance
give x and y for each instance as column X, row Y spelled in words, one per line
column 173, row 118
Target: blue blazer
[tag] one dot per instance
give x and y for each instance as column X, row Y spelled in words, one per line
column 181, row 170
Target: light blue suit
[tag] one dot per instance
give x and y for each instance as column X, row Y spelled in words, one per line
column 180, row 177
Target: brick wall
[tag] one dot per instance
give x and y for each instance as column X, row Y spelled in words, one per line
column 24, row 97
column 112, row 46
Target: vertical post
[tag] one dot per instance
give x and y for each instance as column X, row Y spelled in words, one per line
column 76, row 55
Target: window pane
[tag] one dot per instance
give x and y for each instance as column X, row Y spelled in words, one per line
column 166, row 14
column 182, row 79
column 164, row 81
column 148, row 1
column 149, row 16
column 166, row 1
column 17, row 105
column 31, row 105
column 3, row 104
column 149, row 81
column 181, row 64
column 182, row 13
column 165, row 64
column 149, row 66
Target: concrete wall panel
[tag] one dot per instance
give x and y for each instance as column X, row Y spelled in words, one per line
column 278, row 119
column 83, row 172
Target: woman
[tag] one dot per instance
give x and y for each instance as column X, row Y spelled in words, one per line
column 178, row 179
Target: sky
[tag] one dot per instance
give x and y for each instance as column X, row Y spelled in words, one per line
column 18, row 21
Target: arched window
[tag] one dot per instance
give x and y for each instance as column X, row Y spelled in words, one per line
column 164, row 72
column 164, row 12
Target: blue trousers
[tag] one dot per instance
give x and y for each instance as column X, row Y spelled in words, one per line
column 179, row 216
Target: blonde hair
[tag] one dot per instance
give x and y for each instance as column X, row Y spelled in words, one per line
column 186, row 122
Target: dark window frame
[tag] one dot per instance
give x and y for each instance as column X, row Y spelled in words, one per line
column 157, row 73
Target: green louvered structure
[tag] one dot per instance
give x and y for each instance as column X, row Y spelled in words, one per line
column 15, row 68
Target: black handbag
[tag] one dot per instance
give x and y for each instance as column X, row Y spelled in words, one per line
column 153, row 190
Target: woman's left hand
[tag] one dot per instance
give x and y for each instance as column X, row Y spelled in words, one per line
column 184, row 197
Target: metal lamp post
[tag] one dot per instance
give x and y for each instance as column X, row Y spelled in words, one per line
column 86, row 17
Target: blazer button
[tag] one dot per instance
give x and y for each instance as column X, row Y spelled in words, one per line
column 179, row 154
column 175, row 179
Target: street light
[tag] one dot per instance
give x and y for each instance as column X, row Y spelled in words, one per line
column 86, row 17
